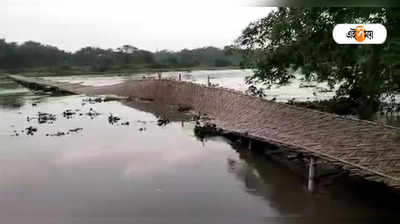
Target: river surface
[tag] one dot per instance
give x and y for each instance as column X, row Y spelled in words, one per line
column 83, row 169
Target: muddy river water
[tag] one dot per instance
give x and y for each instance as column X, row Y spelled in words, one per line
column 82, row 168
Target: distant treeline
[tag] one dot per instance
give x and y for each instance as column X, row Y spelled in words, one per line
column 34, row 56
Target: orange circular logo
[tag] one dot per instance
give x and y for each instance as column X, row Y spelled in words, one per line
column 360, row 33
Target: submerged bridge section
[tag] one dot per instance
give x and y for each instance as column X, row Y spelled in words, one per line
column 364, row 148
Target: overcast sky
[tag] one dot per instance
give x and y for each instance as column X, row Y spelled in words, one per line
column 151, row 24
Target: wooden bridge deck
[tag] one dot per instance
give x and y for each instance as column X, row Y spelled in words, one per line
column 364, row 148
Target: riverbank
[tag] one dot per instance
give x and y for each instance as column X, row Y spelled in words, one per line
column 120, row 72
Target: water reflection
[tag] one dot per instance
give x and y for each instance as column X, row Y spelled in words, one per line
column 13, row 96
column 159, row 110
column 115, row 171
column 146, row 173
column 11, row 101
column 286, row 192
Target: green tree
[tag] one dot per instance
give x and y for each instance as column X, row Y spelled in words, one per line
column 290, row 39
column 221, row 62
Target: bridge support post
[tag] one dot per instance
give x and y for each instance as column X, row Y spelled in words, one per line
column 208, row 81
column 311, row 175
column 249, row 146
column 180, row 77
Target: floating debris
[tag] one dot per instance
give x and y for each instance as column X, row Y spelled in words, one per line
column 92, row 114
column 97, row 100
column 92, row 100
column 113, row 119
column 68, row 113
column 34, row 104
column 30, row 118
column 15, row 133
column 76, row 130
column 100, row 99
column 162, row 122
column 196, row 117
column 205, row 131
column 30, row 130
column 142, row 129
column 58, row 134
column 46, row 118
column 125, row 123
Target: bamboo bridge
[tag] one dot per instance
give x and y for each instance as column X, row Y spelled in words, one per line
column 363, row 148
